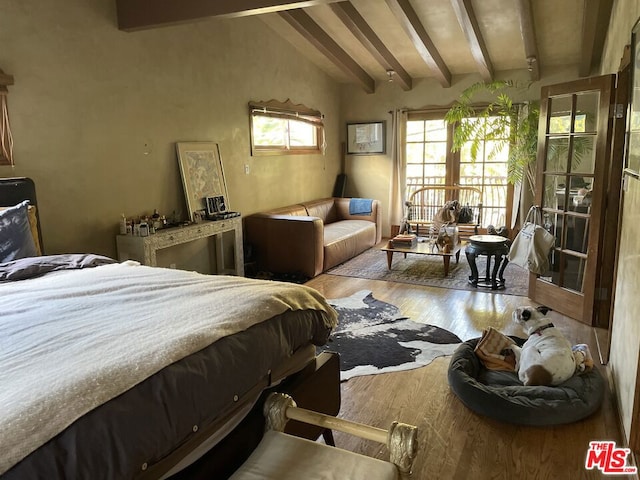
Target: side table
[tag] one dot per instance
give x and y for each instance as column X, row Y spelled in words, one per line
column 492, row 246
column 144, row 249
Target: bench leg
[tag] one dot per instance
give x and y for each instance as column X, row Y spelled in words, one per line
column 327, row 435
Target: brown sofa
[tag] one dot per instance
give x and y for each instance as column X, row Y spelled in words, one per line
column 311, row 237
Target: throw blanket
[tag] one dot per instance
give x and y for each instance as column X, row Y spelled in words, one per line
column 360, row 206
column 72, row 340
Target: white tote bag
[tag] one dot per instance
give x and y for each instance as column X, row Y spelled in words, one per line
column 530, row 248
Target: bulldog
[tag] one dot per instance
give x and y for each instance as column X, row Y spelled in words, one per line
column 546, row 357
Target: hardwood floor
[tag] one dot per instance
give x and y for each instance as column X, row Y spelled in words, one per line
column 456, row 443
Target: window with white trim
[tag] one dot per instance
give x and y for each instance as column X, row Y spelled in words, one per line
column 283, row 128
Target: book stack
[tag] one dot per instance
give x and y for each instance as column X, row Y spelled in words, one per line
column 404, row 240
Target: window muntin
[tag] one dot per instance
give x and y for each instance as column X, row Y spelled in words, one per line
column 430, row 161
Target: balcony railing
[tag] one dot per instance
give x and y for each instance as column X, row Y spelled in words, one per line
column 494, row 194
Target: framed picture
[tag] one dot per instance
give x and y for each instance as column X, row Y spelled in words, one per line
column 202, row 175
column 366, row 138
column 632, row 163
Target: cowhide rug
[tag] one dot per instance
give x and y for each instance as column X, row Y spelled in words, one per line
column 373, row 337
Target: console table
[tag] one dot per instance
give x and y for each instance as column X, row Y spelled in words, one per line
column 143, row 249
column 491, row 246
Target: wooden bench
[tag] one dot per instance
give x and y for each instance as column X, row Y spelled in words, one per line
column 424, row 203
column 280, row 456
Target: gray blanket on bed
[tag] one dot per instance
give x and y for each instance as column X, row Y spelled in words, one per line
column 72, row 340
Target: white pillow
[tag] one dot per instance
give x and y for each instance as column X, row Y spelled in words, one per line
column 16, row 240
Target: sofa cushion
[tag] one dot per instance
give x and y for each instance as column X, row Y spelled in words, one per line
column 345, row 239
column 324, row 209
column 289, row 210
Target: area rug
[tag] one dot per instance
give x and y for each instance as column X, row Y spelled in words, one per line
column 373, row 337
column 428, row 270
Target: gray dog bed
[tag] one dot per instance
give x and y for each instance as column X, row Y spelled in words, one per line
column 501, row 395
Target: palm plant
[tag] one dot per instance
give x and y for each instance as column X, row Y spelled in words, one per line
column 502, row 123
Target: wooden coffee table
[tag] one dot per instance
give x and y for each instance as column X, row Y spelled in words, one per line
column 424, row 248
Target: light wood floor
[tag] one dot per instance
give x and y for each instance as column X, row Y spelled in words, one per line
column 456, row 443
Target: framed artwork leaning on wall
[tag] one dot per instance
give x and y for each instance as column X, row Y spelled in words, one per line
column 202, row 174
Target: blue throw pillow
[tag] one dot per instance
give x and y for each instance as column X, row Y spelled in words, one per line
column 16, row 240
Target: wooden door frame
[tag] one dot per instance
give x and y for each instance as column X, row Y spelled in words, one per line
column 574, row 304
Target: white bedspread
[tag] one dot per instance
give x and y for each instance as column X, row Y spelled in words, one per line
column 72, row 340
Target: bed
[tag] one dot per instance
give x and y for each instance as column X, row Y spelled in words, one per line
column 119, row 370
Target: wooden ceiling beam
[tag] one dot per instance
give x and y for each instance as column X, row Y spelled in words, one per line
column 143, row 14
column 595, row 22
column 528, row 31
column 411, row 24
column 311, row 31
column 469, row 24
column 358, row 26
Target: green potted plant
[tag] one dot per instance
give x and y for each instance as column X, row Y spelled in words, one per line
column 503, row 119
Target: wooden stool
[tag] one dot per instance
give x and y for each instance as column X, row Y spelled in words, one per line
column 280, row 456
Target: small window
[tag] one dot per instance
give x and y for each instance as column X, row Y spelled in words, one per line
column 283, row 128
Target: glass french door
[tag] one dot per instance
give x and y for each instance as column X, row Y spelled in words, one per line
column 572, row 170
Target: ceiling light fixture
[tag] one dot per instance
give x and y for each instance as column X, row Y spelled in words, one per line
column 530, row 61
column 390, row 74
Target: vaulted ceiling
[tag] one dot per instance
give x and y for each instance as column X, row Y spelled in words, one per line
column 368, row 41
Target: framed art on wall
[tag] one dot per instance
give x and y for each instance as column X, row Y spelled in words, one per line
column 202, row 174
column 366, row 138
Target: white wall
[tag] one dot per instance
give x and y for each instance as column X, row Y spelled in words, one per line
column 625, row 333
column 96, row 112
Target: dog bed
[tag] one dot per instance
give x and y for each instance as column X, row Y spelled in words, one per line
column 501, row 395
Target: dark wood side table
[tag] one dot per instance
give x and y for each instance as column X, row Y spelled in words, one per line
column 492, row 246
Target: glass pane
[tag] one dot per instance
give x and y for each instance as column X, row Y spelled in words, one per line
column 415, row 152
column 435, row 152
column 584, row 154
column 587, row 112
column 436, row 130
column 557, row 154
column 435, row 174
column 554, row 266
column 573, row 273
column 302, row 134
column 495, row 216
column 497, row 151
column 415, row 131
column 560, row 114
column 554, row 192
column 495, row 173
column 553, row 223
column 468, row 155
column 577, row 234
column 269, row 131
column 469, row 172
column 414, row 173
column 494, row 196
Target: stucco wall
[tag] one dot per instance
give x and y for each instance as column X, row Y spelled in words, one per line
column 96, row 112
column 625, row 334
